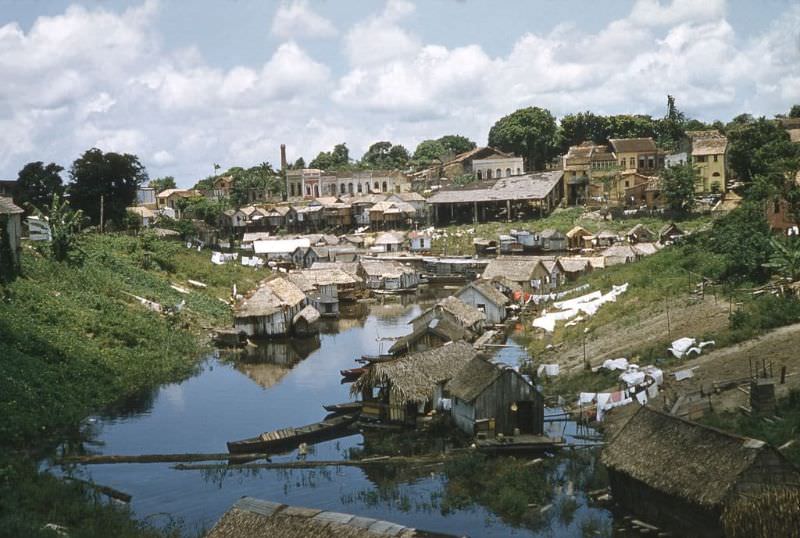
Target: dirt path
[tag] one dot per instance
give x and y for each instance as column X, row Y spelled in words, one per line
column 645, row 328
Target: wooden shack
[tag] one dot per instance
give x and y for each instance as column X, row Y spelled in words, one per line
column 435, row 333
column 495, row 393
column 667, row 469
column 640, row 234
column 405, row 388
column 579, row 238
column 454, row 310
column 670, row 233
column 388, row 275
column 304, row 323
column 485, row 297
column 269, row 310
column 553, row 240
column 524, row 273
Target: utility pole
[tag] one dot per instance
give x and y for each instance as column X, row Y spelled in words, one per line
column 666, row 303
column 101, row 212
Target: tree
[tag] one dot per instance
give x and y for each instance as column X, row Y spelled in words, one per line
column 37, row 183
column 336, row 159
column 114, row 177
column 672, row 127
column 785, row 258
column 64, row 225
column 631, row 126
column 299, row 164
column 678, row 187
column 163, row 183
column 385, row 155
column 428, row 151
column 456, row 143
column 261, row 179
column 528, row 132
column 794, row 112
column 762, row 148
column 583, row 127
column 742, row 237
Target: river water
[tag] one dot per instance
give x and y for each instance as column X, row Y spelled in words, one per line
column 285, row 384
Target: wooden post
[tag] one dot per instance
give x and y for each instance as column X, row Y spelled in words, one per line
column 475, row 212
column 508, row 210
column 783, row 374
column 669, row 331
column 101, row 212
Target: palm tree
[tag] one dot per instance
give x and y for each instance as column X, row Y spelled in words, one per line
column 785, row 258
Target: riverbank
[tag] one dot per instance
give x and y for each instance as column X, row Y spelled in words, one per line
column 75, row 339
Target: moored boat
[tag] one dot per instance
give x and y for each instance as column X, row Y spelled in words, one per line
column 288, row 438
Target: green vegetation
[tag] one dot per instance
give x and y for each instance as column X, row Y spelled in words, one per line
column 37, row 183
column 775, row 432
column 530, row 132
column 74, row 340
column 678, row 184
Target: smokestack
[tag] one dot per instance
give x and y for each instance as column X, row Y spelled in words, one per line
column 283, row 169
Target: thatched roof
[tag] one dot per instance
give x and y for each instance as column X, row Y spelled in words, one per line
column 390, row 238
column 640, row 231
column 269, row 297
column 473, row 379
column 413, row 377
column 574, row 265
column 253, row 518
column 351, row 268
column 516, row 269
column 301, row 281
column 8, row 207
column 466, row 314
column 578, row 231
column 681, row 458
column 441, row 327
column 309, row 314
column 488, row 291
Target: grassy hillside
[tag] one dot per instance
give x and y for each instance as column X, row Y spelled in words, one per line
column 72, row 341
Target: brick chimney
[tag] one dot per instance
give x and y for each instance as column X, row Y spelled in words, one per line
column 283, row 169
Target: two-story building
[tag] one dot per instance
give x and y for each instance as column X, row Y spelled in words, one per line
column 708, row 156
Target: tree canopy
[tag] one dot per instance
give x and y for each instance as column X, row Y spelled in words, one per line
column 456, row 143
column 794, row 112
column 36, row 185
column 528, row 132
column 163, row 183
column 336, row 159
column 761, row 148
column 428, row 151
column 385, row 155
column 678, row 187
column 112, row 176
column 257, row 179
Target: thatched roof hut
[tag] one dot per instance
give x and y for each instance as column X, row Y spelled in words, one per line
column 413, row 378
column 662, row 466
column 254, row 518
column 435, row 332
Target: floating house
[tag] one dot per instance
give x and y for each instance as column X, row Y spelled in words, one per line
column 574, row 268
column 405, row 388
column 270, row 309
column 486, row 298
column 304, row 323
column 455, row 311
column 254, row 518
column 388, row 275
column 553, row 240
column 389, row 242
column 494, row 398
column 667, row 469
column 419, row 241
column 453, row 268
column 435, row 333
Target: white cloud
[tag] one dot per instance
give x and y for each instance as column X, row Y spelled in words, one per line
column 180, row 113
column 295, row 19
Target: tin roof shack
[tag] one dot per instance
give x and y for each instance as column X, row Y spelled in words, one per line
column 338, row 215
column 526, row 274
column 574, row 268
column 270, row 309
column 455, row 311
column 640, row 234
column 485, row 297
column 435, row 333
column 453, row 268
column 387, row 214
column 254, row 518
column 412, row 385
column 665, row 468
column 498, row 199
column 332, row 285
column 619, row 254
column 309, row 218
column 553, row 240
column 282, row 250
column 489, row 394
column 11, row 230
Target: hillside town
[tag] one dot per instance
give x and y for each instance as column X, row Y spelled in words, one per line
column 574, row 324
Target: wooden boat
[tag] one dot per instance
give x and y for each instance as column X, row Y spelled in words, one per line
column 347, row 407
column 352, row 373
column 519, row 444
column 289, row 438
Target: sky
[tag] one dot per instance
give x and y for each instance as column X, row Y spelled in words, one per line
column 187, row 84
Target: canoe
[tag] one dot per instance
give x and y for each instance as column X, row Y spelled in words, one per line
column 347, row 407
column 290, row 438
column 352, row 373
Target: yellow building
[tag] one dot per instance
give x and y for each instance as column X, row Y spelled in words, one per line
column 589, row 169
column 709, row 151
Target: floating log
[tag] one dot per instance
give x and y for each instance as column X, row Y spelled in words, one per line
column 311, row 464
column 105, row 490
column 101, row 459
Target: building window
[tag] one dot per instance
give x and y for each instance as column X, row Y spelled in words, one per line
column 397, row 188
column 385, row 187
column 715, row 158
column 359, row 188
column 700, row 158
column 342, row 188
column 508, row 172
column 627, row 184
column 377, row 186
column 499, row 173
column 715, row 174
column 316, row 190
column 641, row 162
column 488, row 174
column 622, row 163
column 651, row 162
column 631, row 161
column 480, row 175
column 481, row 307
column 519, row 171
column 350, row 188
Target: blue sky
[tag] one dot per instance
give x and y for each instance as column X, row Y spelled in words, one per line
column 187, row 84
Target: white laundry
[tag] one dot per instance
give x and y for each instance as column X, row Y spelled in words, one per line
column 615, row 364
